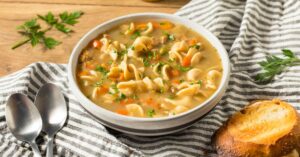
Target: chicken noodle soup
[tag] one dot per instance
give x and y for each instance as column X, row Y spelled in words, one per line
column 149, row 69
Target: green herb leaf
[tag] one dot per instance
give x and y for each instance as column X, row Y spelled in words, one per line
column 146, row 62
column 50, row 43
column 182, row 68
column 161, row 90
column 70, row 18
column 49, row 18
column 136, row 34
column 196, row 46
column 34, row 34
column 99, row 83
column 170, row 37
column 172, row 96
column 121, row 54
column 114, row 89
column 121, row 97
column 62, row 28
column 275, row 65
column 199, row 82
column 135, row 97
column 288, row 53
column 150, row 113
column 101, row 69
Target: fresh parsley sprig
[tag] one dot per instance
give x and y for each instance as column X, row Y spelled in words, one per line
column 64, row 19
column 33, row 32
column 274, row 65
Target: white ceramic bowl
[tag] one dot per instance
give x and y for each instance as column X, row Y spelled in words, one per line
column 147, row 126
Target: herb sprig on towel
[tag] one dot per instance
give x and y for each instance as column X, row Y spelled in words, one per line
column 274, row 65
column 34, row 34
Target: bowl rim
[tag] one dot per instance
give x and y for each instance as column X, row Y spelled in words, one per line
column 173, row 18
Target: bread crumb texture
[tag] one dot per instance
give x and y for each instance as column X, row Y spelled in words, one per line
column 263, row 122
column 269, row 128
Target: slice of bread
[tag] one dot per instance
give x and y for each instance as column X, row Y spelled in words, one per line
column 268, row 128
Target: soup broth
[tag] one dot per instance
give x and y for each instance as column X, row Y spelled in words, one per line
column 149, row 69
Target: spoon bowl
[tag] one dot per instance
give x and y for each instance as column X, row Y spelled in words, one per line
column 23, row 120
column 51, row 104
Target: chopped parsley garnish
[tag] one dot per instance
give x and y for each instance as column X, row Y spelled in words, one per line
column 114, row 90
column 101, row 69
column 182, row 68
column 147, row 57
column 150, row 113
column 172, row 96
column 110, row 62
column 136, row 34
column 170, row 37
column 170, row 60
column 98, row 83
column 121, row 54
column 197, row 82
column 132, row 48
column 160, row 64
column 161, row 90
column 146, row 62
column 120, row 97
column 135, row 96
column 196, row 46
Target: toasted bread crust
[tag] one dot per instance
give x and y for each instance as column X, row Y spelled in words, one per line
column 227, row 145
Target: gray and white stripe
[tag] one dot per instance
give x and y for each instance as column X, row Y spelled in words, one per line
column 250, row 30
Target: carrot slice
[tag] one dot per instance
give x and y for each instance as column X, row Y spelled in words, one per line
column 83, row 73
column 142, row 26
column 175, row 72
column 90, row 66
column 102, row 90
column 156, row 25
column 176, row 81
column 122, row 78
column 186, row 61
column 97, row 44
column 127, row 101
column 192, row 42
column 122, row 111
column 151, row 102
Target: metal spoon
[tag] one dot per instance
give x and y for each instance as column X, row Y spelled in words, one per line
column 52, row 106
column 23, row 120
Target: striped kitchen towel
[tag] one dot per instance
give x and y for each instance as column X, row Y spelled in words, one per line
column 250, row 30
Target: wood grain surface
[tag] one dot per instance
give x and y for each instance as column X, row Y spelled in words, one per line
column 14, row 13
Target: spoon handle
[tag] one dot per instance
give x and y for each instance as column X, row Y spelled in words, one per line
column 50, row 147
column 35, row 149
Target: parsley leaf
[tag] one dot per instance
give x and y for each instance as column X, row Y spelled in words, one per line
column 170, row 37
column 182, row 68
column 48, row 18
column 50, row 42
column 146, row 62
column 274, row 65
column 98, row 84
column 114, row 88
column 33, row 32
column 121, row 97
column 136, row 34
column 62, row 28
column 101, row 69
column 70, row 18
column 150, row 113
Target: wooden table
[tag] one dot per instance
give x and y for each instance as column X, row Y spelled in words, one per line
column 14, row 13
